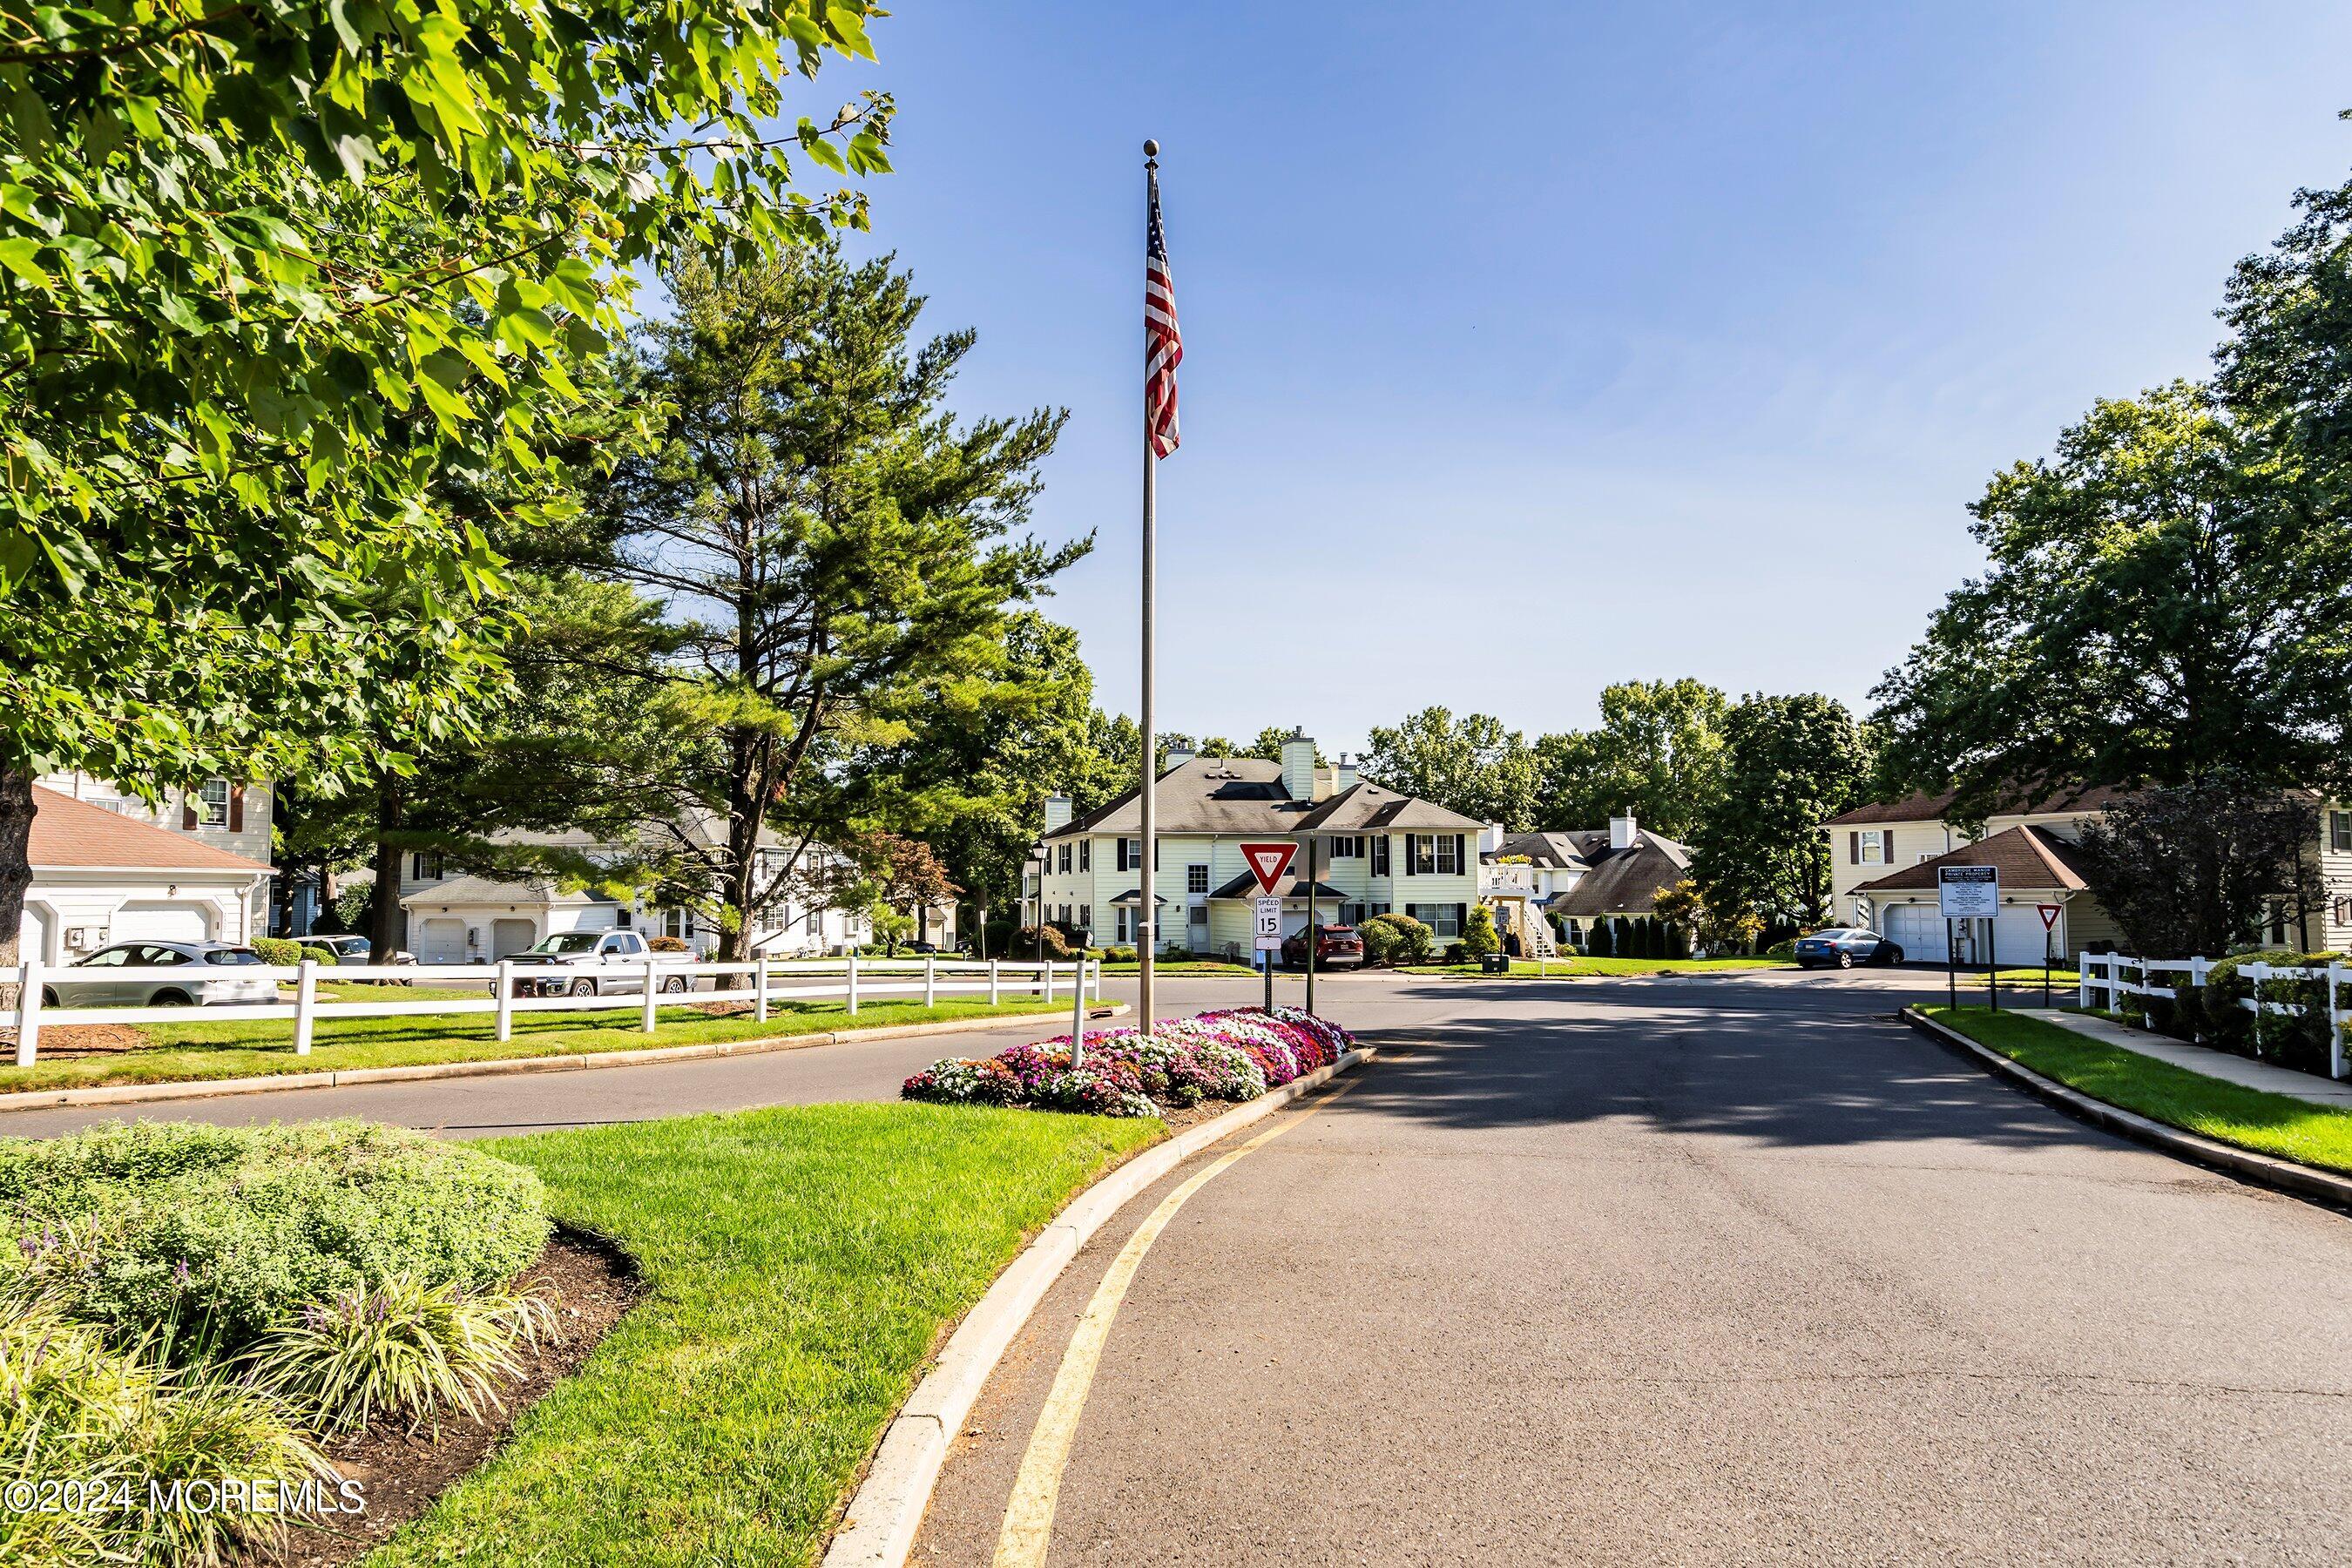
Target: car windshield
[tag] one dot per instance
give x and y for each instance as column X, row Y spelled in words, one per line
column 232, row 955
column 568, row 941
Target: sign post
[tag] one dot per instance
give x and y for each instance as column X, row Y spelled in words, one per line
column 1966, row 893
column 1266, row 864
column 2048, row 913
column 1269, row 940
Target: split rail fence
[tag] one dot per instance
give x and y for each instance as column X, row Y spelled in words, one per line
column 645, row 986
column 2104, row 972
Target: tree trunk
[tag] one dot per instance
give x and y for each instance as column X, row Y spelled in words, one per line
column 15, row 872
column 383, row 907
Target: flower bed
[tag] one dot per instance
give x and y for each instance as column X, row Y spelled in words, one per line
column 1235, row 1054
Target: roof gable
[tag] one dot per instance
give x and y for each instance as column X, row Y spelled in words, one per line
column 70, row 831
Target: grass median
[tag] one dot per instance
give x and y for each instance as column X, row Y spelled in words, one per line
column 197, row 1050
column 2210, row 1106
column 802, row 1263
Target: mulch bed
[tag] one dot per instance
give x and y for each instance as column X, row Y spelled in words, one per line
column 594, row 1285
column 60, row 1040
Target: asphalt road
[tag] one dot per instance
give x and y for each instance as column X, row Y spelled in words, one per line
column 1712, row 1272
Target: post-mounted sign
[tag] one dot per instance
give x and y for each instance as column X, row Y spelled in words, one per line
column 1967, row 892
column 1269, row 925
column 1267, row 862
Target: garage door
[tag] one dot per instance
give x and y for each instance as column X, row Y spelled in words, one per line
column 33, row 935
column 441, row 939
column 159, row 922
column 2019, row 935
column 1919, row 932
column 1918, row 929
column 509, row 936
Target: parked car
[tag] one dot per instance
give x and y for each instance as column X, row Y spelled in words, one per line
column 212, row 977
column 562, row 955
column 1335, row 947
column 351, row 949
column 1843, row 947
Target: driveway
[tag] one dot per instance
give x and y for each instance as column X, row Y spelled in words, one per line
column 1713, row 1271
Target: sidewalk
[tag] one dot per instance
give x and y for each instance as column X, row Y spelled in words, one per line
column 2241, row 1070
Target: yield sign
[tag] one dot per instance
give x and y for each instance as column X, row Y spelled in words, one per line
column 2048, row 913
column 1267, row 862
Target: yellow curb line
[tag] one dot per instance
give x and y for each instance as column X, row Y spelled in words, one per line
column 1029, row 1518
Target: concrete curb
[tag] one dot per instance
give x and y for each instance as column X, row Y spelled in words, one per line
column 202, row 1089
column 879, row 1527
column 2264, row 1170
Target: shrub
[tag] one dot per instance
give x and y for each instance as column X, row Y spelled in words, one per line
column 1118, row 955
column 1479, row 937
column 74, row 1406
column 1787, row 948
column 2214, row 1012
column 399, row 1348
column 1024, row 943
column 277, row 950
column 1457, row 953
column 231, row 1231
column 1599, row 942
column 667, row 944
column 1380, row 941
column 1416, row 941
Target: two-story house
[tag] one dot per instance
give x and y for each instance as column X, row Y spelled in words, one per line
column 1376, row 851
column 1885, row 859
column 108, row 867
column 1585, row 876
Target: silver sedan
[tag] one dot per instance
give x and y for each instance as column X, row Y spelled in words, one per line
column 211, row 976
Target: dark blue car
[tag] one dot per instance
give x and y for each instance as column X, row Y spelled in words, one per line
column 1843, row 947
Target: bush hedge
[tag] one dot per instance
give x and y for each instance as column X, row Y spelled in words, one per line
column 1414, row 941
column 1379, row 943
column 227, row 1232
column 277, row 950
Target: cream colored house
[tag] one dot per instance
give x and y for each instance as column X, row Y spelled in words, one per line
column 1883, row 875
column 102, row 876
column 1376, row 851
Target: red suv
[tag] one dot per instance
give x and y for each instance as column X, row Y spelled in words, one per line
column 1335, row 947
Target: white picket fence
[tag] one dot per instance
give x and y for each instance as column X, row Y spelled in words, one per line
column 2104, row 971
column 645, row 986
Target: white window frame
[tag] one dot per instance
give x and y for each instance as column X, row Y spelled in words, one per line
column 1448, row 859
column 211, row 804
column 1873, row 846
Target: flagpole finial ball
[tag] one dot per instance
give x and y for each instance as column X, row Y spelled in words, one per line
column 1151, row 149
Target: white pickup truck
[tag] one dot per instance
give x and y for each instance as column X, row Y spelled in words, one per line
column 594, row 963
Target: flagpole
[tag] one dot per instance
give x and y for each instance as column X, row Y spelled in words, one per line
column 1147, row 950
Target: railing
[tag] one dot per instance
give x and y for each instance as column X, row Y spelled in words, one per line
column 643, row 985
column 2104, row 971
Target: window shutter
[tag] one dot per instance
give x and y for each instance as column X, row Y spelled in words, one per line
column 1122, row 854
column 187, row 813
column 1459, row 863
column 236, row 808
column 1408, row 854
column 1853, row 848
column 1886, row 846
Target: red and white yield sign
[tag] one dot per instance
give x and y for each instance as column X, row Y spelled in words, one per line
column 1267, row 862
column 2048, row 913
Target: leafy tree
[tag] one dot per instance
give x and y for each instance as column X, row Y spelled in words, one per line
column 1721, row 925
column 2161, row 605
column 1788, row 764
column 833, row 551
column 892, row 879
column 1479, row 937
column 266, row 272
column 2187, row 870
column 1657, row 754
column 1268, row 745
column 1473, row 766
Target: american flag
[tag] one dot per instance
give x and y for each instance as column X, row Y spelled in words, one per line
column 1163, row 346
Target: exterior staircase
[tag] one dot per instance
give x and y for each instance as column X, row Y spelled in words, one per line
column 1536, row 939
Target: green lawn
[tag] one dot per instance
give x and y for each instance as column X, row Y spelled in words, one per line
column 1583, row 965
column 1183, row 966
column 804, row 1262
column 2058, row 976
column 252, row 1047
column 2213, row 1107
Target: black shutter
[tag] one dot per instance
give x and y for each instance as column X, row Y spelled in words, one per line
column 1122, row 853
column 1460, row 865
column 1853, row 848
column 1408, row 854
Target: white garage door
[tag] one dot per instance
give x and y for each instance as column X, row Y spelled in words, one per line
column 2019, row 936
column 441, row 939
column 160, row 922
column 507, row 937
column 1918, row 929
column 33, row 935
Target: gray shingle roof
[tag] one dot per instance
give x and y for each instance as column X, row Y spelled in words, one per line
column 1236, row 796
column 537, row 892
column 1620, row 882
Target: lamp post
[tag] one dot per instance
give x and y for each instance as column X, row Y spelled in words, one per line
column 1038, row 850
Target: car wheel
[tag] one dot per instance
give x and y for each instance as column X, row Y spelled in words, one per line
column 1893, row 954
column 171, row 999
column 48, row 997
column 583, row 988
column 1845, row 961
column 674, row 985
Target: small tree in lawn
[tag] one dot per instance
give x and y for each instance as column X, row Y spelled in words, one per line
column 1721, row 923
column 1479, row 938
column 2187, row 870
column 1598, row 940
column 892, row 879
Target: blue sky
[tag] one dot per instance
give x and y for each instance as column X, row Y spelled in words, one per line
column 1531, row 347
